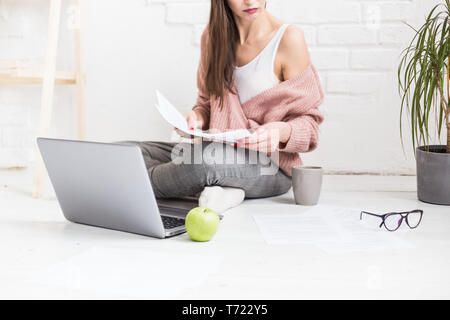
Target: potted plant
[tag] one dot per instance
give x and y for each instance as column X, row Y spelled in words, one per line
column 423, row 75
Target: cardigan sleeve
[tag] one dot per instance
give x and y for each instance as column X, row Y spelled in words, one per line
column 203, row 102
column 305, row 132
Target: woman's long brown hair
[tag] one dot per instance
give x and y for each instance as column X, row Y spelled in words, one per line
column 221, row 50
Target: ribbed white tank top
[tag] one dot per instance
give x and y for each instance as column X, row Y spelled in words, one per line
column 257, row 75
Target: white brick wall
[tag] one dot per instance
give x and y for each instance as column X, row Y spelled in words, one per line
column 354, row 44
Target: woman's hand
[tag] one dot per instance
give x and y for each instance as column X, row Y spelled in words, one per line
column 194, row 121
column 267, row 138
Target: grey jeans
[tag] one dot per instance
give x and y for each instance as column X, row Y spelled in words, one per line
column 184, row 169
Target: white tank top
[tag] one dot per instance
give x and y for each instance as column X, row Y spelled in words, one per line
column 258, row 75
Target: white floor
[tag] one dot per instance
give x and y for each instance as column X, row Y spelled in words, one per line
column 44, row 256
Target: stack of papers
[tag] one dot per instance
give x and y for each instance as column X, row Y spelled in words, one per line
column 332, row 228
column 176, row 119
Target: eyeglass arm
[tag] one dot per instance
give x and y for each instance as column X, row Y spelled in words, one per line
column 370, row 213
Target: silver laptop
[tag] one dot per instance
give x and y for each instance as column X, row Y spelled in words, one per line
column 107, row 185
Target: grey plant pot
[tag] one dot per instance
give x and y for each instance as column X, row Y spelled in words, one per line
column 433, row 174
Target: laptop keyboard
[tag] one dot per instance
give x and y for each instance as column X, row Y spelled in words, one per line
column 171, row 222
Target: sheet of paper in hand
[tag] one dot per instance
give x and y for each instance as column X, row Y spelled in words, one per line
column 176, row 119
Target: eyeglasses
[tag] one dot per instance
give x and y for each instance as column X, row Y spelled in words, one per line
column 393, row 220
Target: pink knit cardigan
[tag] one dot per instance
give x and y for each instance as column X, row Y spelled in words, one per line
column 294, row 101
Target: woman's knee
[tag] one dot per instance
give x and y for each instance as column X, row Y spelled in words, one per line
column 269, row 187
column 285, row 186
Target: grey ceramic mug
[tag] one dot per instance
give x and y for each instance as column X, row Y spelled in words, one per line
column 307, row 184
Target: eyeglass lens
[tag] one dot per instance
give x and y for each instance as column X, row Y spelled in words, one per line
column 413, row 219
column 393, row 221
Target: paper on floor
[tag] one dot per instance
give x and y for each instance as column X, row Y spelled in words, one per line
column 332, row 228
column 176, row 119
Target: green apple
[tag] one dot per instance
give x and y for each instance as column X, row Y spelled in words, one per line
column 202, row 223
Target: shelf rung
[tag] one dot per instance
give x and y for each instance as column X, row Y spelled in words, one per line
column 10, row 79
column 36, row 73
column 13, row 64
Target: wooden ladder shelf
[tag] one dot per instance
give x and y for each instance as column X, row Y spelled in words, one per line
column 22, row 72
